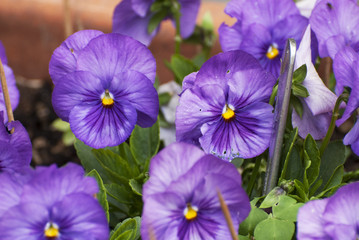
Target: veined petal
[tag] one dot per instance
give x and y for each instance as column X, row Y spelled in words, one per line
column 188, row 81
column 169, row 164
column 126, row 20
column 352, row 138
column 101, row 127
column 63, row 60
column 196, row 107
column 246, row 136
column 76, row 88
column 100, row 58
column 230, row 37
column 189, row 11
column 10, row 192
column 139, row 91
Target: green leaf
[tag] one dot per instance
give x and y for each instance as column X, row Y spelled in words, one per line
column 272, row 197
column 300, row 91
column 121, row 193
column 136, row 187
column 297, row 105
column 237, row 162
column 68, row 138
column 240, row 237
column 272, row 228
column 300, row 74
column 181, row 67
column 88, row 160
column 101, row 195
column 156, row 19
column 301, row 191
column 129, row 229
column 115, row 166
column 164, row 98
column 287, row 150
column 286, row 209
column 60, row 125
column 125, row 152
column 144, row 143
column 255, row 216
column 312, row 154
column 333, row 157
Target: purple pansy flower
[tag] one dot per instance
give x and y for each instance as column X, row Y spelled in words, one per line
column 180, row 198
column 318, row 106
column 11, row 84
column 15, row 148
column 51, row 204
column 106, row 88
column 131, row 18
column 333, row 218
column 262, row 29
column 225, row 109
column 335, row 23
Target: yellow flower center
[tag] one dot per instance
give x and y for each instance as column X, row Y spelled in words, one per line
column 228, row 112
column 107, row 99
column 190, row 212
column 272, row 52
column 51, row 230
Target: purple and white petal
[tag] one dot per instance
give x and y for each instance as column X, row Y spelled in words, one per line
column 139, row 91
column 127, row 21
column 101, row 127
column 100, row 58
column 64, row 58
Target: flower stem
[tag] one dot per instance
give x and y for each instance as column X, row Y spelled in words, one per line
column 254, row 174
column 5, row 92
column 177, row 16
column 335, row 116
column 273, row 95
column 227, row 216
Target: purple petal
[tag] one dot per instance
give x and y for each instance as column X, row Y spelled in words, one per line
column 246, row 136
column 310, row 221
column 169, row 164
column 188, row 81
column 13, row 91
column 127, row 21
column 10, row 191
column 341, row 220
column 352, row 138
column 80, row 216
column 230, row 37
column 234, row 8
column 315, row 125
column 3, row 57
column 101, row 127
column 189, row 11
column 111, row 54
column 50, row 184
column 63, row 60
column 74, row 89
column 141, row 7
column 139, row 91
column 197, row 106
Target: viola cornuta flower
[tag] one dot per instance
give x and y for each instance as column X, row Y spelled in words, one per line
column 262, row 29
column 333, row 218
column 52, row 204
column 15, row 148
column 180, row 198
column 225, row 108
column 131, row 18
column 318, row 106
column 11, row 84
column 335, row 23
column 108, row 91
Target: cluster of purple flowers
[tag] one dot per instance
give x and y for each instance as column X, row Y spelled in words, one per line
column 11, row 84
column 132, row 17
column 104, row 86
column 51, row 203
column 333, row 218
column 180, row 198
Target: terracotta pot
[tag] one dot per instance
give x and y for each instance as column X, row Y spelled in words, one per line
column 31, row 29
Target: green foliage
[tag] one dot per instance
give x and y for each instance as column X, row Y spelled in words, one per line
column 68, row 138
column 273, row 228
column 181, row 67
column 129, row 229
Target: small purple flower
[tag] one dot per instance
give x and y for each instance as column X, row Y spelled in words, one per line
column 180, row 198
column 318, row 106
column 335, row 23
column 225, row 108
column 51, row 204
column 131, row 18
column 262, row 29
column 11, row 84
column 15, row 148
column 333, row 218
column 106, row 87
